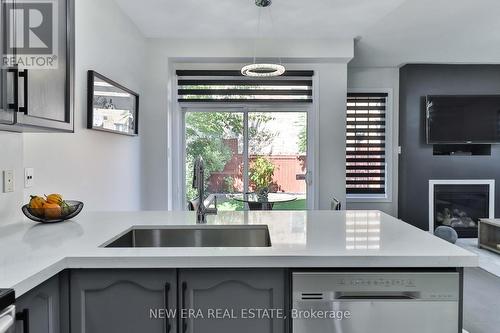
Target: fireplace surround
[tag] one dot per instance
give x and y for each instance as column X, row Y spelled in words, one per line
column 460, row 204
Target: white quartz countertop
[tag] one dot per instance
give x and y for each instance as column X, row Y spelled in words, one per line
column 31, row 253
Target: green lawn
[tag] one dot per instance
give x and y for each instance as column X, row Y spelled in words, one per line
column 233, row 205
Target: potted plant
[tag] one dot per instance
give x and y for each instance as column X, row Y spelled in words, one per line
column 261, row 176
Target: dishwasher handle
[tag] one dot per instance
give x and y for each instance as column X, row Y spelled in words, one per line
column 390, row 295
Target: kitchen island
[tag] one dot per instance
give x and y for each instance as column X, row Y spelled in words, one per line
column 32, row 254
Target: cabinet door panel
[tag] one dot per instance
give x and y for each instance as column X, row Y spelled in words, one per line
column 47, row 87
column 6, row 115
column 232, row 290
column 46, row 94
column 108, row 301
column 43, row 306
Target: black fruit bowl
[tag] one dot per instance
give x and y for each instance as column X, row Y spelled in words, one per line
column 39, row 214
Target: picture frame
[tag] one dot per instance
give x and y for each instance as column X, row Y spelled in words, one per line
column 111, row 107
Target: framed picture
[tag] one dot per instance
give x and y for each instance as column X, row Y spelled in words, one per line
column 111, row 107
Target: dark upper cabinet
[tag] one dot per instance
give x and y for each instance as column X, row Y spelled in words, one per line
column 34, row 99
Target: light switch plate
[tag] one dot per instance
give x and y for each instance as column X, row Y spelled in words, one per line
column 29, row 177
column 8, row 181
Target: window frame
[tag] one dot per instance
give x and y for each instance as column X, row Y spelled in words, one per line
column 389, row 146
column 312, row 157
column 176, row 131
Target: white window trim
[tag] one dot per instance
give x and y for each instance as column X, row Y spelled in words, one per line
column 176, row 138
column 389, row 146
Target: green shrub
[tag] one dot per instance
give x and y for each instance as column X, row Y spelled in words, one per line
column 261, row 173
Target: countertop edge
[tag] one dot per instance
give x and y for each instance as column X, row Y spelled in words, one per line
column 239, row 262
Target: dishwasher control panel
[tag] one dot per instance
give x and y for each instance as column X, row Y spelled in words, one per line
column 7, row 297
column 418, row 285
column 382, row 282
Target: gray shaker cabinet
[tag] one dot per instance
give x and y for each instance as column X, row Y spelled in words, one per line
column 111, row 300
column 236, row 290
column 43, row 307
column 41, row 100
column 119, row 301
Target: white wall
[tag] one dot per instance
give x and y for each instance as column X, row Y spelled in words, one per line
column 155, row 140
column 112, row 172
column 329, row 60
column 100, row 169
column 11, row 158
column 380, row 78
column 332, row 133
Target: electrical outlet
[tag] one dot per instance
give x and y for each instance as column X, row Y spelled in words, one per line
column 29, row 177
column 8, row 181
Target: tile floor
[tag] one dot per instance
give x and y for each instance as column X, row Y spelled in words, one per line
column 489, row 261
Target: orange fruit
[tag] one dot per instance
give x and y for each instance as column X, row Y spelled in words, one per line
column 36, row 202
column 54, row 198
column 52, row 210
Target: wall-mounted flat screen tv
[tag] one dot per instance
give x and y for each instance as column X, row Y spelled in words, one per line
column 453, row 119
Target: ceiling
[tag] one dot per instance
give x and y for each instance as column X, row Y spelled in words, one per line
column 433, row 31
column 238, row 18
column 392, row 32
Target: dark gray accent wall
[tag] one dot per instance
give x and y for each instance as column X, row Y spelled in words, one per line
column 416, row 163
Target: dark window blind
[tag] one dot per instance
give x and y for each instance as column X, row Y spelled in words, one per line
column 231, row 86
column 366, row 134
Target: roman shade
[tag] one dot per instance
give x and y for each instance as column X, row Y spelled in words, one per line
column 232, row 86
column 366, row 143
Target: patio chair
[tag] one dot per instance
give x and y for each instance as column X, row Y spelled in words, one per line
column 336, row 204
column 193, row 204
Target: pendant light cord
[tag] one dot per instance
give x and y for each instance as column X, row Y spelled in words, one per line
column 273, row 29
column 258, row 35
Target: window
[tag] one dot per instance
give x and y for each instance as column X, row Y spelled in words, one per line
column 248, row 151
column 247, row 146
column 366, row 145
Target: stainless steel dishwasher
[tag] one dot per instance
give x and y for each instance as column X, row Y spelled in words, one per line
column 380, row 302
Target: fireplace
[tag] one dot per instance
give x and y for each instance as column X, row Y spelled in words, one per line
column 460, row 204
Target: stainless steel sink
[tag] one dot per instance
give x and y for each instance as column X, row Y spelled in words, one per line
column 194, row 236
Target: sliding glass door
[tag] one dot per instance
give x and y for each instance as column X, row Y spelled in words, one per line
column 218, row 138
column 277, row 145
column 249, row 152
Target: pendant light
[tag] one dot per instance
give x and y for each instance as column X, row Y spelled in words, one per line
column 261, row 69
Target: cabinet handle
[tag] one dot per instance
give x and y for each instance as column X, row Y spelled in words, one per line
column 167, row 319
column 183, row 300
column 24, row 75
column 24, row 316
column 14, row 106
